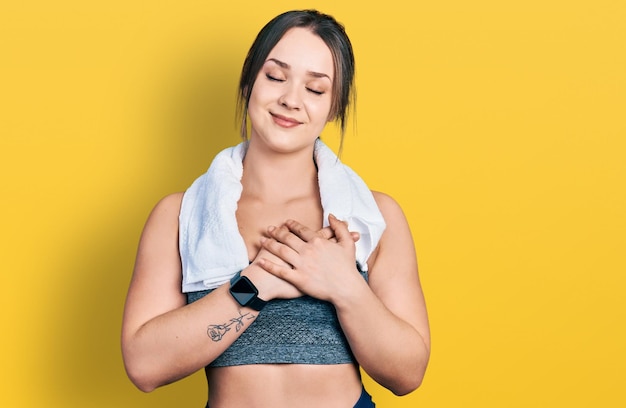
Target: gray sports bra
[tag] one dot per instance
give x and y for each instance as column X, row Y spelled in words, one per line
column 304, row 330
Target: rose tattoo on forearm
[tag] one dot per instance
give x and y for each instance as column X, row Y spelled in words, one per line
column 216, row 331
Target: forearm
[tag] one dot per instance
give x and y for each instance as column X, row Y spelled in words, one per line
column 389, row 349
column 182, row 341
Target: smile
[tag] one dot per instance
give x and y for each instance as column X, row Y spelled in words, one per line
column 284, row 121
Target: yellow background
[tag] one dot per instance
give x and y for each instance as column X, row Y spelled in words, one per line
column 498, row 125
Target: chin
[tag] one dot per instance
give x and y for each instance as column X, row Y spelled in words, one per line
column 285, row 143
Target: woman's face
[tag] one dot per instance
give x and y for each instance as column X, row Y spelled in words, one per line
column 292, row 94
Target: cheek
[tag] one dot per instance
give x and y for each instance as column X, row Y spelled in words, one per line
column 322, row 110
column 259, row 89
column 264, row 94
column 254, row 95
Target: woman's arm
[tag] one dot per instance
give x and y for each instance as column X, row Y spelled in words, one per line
column 163, row 339
column 385, row 322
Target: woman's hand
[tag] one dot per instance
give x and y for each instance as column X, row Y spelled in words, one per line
column 268, row 285
column 315, row 263
column 271, row 286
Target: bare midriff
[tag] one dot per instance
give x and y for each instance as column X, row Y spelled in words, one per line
column 284, row 385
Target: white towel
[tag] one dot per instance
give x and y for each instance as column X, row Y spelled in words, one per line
column 212, row 249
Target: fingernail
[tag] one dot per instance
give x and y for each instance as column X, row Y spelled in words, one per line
column 271, row 228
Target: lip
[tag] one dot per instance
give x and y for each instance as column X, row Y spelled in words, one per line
column 284, row 121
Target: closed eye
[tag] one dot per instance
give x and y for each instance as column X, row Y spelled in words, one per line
column 271, row 78
column 315, row 92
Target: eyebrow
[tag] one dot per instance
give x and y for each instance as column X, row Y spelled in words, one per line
column 287, row 66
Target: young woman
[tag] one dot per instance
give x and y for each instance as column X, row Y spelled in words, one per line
column 293, row 273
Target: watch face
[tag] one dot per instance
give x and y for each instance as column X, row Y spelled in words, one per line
column 243, row 291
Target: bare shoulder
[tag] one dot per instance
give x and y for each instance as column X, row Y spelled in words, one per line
column 396, row 243
column 168, row 207
column 397, row 224
column 388, row 206
column 163, row 218
column 172, row 199
column 159, row 239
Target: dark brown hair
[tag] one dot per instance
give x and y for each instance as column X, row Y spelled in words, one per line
column 334, row 36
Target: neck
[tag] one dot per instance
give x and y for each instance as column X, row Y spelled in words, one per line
column 279, row 177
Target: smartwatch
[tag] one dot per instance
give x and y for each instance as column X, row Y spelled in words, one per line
column 245, row 293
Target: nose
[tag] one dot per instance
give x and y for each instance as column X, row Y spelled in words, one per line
column 290, row 98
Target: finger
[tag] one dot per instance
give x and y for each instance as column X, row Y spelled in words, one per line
column 301, row 231
column 280, row 271
column 326, row 233
column 279, row 249
column 341, row 230
column 284, row 235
